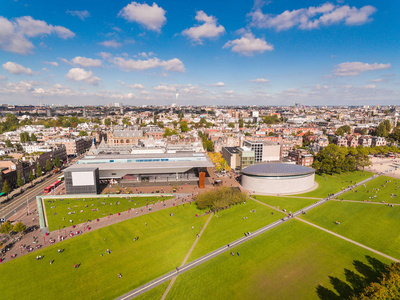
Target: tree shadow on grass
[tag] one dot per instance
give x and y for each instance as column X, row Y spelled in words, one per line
column 355, row 282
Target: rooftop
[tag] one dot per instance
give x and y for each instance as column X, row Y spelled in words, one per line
column 277, row 169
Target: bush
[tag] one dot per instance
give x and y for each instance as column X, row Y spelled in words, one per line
column 220, row 198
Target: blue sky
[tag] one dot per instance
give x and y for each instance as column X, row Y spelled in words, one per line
column 199, row 52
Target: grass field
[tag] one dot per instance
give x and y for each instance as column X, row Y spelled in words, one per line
column 59, row 212
column 286, row 263
column 155, row 293
column 329, row 184
column 162, row 246
column 230, row 225
column 380, row 189
column 374, row 225
column 290, row 204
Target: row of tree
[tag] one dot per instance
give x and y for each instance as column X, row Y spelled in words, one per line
column 25, row 137
column 6, row 189
column 7, row 227
column 220, row 198
column 388, row 287
column 335, row 159
column 207, row 144
column 219, row 162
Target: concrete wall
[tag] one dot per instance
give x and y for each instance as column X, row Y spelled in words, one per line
column 83, row 189
column 271, row 153
column 274, row 185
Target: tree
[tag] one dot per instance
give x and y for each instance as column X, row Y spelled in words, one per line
column 107, row 121
column 49, row 166
column 24, row 137
column 271, row 119
column 6, row 187
column 57, row 162
column 387, row 287
column 220, row 198
column 9, row 144
column 83, row 133
column 38, row 171
column 383, row 129
column 20, row 182
column 19, row 147
column 241, row 123
column 33, row 137
column 184, row 126
column 342, row 130
column 6, row 228
column 31, row 176
column 125, row 121
column 335, row 159
column 19, row 227
column 169, row 132
column 364, row 131
column 231, row 125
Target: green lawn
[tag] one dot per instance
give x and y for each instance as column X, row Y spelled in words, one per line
column 290, row 204
column 230, row 225
column 380, row 189
column 162, row 246
column 374, row 225
column 328, row 184
column 60, row 211
column 286, row 263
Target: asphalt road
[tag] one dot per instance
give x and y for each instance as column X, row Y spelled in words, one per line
column 20, row 201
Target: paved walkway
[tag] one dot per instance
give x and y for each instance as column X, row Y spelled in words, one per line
column 365, row 202
column 349, row 240
column 186, row 257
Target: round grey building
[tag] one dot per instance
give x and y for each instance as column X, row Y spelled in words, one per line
column 277, row 178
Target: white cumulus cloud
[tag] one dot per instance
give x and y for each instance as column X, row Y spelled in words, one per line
column 260, row 80
column 51, row 63
column 356, row 68
column 151, row 17
column 79, row 74
column 15, row 68
column 218, row 84
column 81, row 14
column 173, row 65
column 111, row 44
column 136, row 86
column 249, row 45
column 209, row 29
column 86, row 62
column 312, row 17
column 15, row 34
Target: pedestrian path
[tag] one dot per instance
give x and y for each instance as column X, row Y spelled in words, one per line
column 349, row 240
column 365, row 202
column 186, row 257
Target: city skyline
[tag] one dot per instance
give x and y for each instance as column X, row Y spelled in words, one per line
column 163, row 52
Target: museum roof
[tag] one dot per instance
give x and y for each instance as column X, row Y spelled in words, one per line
column 277, row 169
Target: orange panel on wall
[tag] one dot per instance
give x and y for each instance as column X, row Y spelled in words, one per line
column 202, row 179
